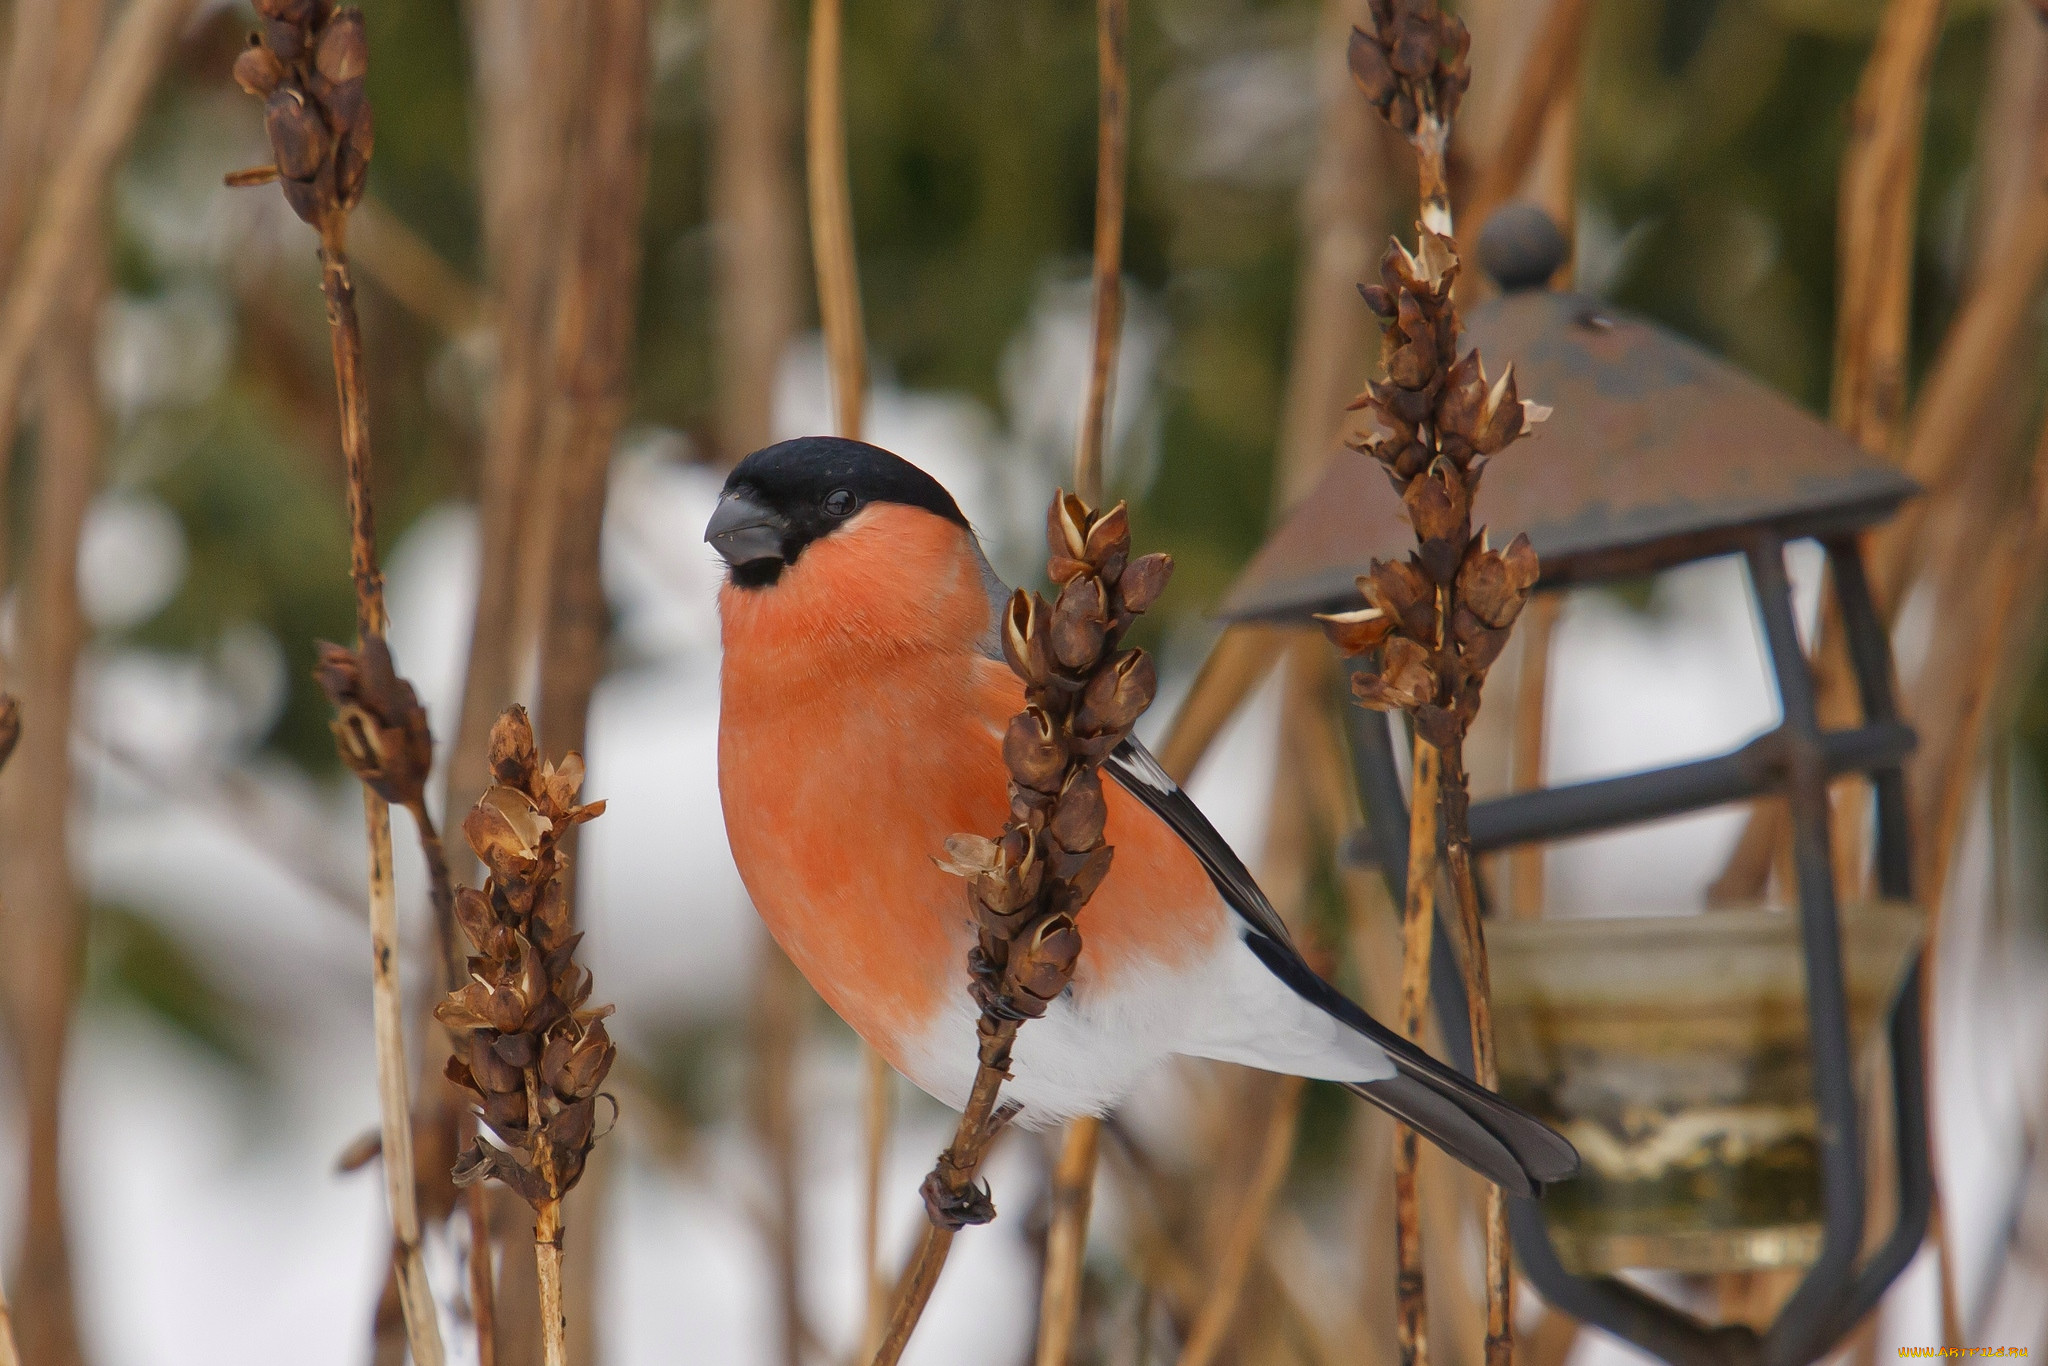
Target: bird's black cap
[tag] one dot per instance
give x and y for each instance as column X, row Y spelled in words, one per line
column 782, row 497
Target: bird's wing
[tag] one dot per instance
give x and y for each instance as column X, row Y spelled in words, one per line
column 1472, row 1124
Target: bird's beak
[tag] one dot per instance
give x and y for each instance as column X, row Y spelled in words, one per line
column 743, row 532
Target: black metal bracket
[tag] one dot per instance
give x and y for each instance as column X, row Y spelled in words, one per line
column 1796, row 759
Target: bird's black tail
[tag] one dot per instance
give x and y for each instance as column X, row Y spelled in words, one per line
column 1507, row 1146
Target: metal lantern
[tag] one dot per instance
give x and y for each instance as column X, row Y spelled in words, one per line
column 1659, row 454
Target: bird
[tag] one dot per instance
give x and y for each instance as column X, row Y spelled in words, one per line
column 863, row 698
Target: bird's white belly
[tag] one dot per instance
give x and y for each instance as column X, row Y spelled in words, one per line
column 1093, row 1047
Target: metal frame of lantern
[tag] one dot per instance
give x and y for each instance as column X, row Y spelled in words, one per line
column 1659, row 455
column 1796, row 759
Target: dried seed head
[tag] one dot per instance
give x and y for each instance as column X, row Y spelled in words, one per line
column 343, row 51
column 1143, row 581
column 1066, row 529
column 1079, row 622
column 379, row 728
column 1078, row 815
column 511, row 747
column 258, row 70
column 1032, row 750
column 1400, row 589
column 1356, row 632
column 1117, row 696
column 1024, row 638
column 1405, row 679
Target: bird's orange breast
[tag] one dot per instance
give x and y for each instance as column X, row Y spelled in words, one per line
column 859, row 727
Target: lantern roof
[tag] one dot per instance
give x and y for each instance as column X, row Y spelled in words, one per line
column 1656, row 453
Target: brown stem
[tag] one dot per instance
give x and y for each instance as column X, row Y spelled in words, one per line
column 345, row 333
column 832, row 219
column 777, row 1030
column 122, row 83
column 1418, row 921
column 1247, row 1227
column 483, row 1292
column 1479, row 1002
column 1550, row 69
column 547, row 1257
column 1073, row 1192
column 959, row 1167
column 1532, row 692
column 877, row 1093
column 1112, row 143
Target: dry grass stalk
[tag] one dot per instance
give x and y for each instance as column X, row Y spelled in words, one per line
column 1112, row 147
column 1546, row 84
column 74, row 196
column 754, row 204
column 1440, row 618
column 1247, row 1226
column 531, row 1047
column 839, row 309
column 1083, row 694
column 307, row 65
column 43, row 926
column 832, row 219
column 1074, row 1178
column 1532, row 693
column 10, row 734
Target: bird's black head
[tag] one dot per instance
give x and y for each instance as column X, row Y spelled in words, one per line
column 782, row 497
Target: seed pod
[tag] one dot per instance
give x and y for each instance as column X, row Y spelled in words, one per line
column 1024, row 642
column 1117, row 696
column 1078, row 816
column 1479, row 645
column 492, row 1072
column 1369, row 67
column 1379, row 300
column 511, row 747
column 1412, row 365
column 505, row 828
column 1032, row 750
column 1500, row 416
column 1066, row 526
column 1108, row 534
column 1522, row 565
column 1046, row 962
column 1356, row 632
column 258, row 69
column 520, row 1050
column 1078, row 622
column 1404, row 681
column 1143, row 580
column 1484, row 587
column 1399, row 589
column 473, row 913
column 343, row 52
column 297, row 137
column 286, row 39
column 571, row 1129
column 506, row 1111
column 1060, row 569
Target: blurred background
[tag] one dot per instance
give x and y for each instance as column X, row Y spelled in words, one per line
column 181, row 861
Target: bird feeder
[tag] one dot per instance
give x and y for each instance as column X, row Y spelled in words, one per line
column 1658, row 455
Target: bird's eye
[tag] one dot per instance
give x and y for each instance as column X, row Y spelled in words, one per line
column 841, row 503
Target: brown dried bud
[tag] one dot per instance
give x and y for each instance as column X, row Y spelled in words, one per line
column 258, row 69
column 1143, row 581
column 1042, row 966
column 1500, row 415
column 492, row 1072
column 513, row 759
column 1464, row 394
column 479, row 922
column 1414, row 54
column 1024, row 642
column 506, row 830
column 1109, row 535
column 297, row 136
column 1479, row 645
column 1524, row 569
column 1117, row 696
column 1032, row 750
column 1060, row 569
column 574, row 1068
column 286, row 38
column 1437, row 509
column 343, row 52
column 379, row 728
column 1079, row 622
column 1078, row 816
column 1404, row 681
column 1369, row 68
column 1356, row 632
column 1412, row 365
column 1066, row 526
column 1398, row 588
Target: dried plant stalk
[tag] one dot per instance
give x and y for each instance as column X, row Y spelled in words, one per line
column 1545, row 84
column 530, row 1046
column 74, row 196
column 1247, row 1226
column 1532, row 692
column 1439, row 619
column 1112, row 144
column 1066, row 1240
column 308, row 67
column 1082, row 696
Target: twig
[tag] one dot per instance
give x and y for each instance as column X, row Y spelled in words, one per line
column 1073, row 1191
column 1112, row 143
column 1247, row 1226
column 754, row 206
column 1549, row 72
column 310, row 75
column 122, row 82
column 776, row 1032
column 1439, row 619
column 1532, row 689
column 837, row 269
column 832, row 219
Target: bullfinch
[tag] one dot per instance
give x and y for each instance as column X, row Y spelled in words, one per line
column 863, row 700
